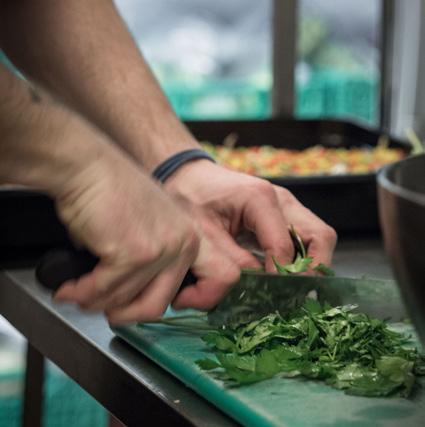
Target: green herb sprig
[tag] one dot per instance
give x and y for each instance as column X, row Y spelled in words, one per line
column 345, row 349
column 302, row 262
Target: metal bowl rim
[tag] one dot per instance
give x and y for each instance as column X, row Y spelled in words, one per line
column 387, row 184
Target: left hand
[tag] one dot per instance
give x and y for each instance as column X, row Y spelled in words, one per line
column 227, row 202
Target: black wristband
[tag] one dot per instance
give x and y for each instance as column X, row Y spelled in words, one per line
column 169, row 166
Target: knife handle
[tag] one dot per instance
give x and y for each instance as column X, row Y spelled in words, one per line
column 60, row 265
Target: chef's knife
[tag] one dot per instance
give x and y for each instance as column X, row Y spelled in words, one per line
column 60, row 265
column 255, row 294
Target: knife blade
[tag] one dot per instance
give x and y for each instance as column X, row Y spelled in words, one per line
column 258, row 294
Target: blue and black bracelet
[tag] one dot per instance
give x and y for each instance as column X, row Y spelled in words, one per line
column 169, row 166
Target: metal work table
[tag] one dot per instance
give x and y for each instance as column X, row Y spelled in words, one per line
column 126, row 383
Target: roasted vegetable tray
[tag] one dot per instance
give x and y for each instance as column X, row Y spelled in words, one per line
column 347, row 202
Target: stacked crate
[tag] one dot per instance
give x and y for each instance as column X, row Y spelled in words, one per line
column 65, row 403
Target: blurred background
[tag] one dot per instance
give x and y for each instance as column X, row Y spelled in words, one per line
column 223, row 59
column 214, row 59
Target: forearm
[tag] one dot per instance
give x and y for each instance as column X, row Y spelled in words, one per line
column 82, row 51
column 42, row 144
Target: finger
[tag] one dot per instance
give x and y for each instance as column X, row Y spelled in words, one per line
column 321, row 247
column 229, row 247
column 318, row 237
column 216, row 274
column 123, row 294
column 93, row 290
column 152, row 302
column 263, row 216
column 133, row 285
column 217, row 232
column 97, row 283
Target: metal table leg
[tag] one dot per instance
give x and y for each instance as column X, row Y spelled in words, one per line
column 33, row 393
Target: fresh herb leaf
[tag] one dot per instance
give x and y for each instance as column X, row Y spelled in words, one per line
column 345, row 349
column 324, row 269
column 220, row 341
column 300, row 265
column 312, row 306
column 207, row 364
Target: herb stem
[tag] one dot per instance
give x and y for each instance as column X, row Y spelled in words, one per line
column 195, row 321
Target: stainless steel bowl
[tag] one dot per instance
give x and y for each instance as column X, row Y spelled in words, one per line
column 401, row 191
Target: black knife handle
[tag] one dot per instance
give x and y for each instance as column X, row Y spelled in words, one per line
column 60, row 265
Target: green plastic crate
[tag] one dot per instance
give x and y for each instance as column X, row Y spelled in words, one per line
column 326, row 94
column 65, row 403
column 337, row 94
column 352, row 95
column 220, row 100
column 311, row 99
column 11, row 386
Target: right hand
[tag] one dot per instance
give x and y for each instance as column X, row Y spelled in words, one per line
column 145, row 242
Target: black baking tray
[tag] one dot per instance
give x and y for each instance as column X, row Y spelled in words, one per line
column 347, row 202
column 28, row 225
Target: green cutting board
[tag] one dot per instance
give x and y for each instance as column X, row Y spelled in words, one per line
column 293, row 402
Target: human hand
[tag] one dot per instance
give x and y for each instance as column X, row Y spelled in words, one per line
column 230, row 201
column 145, row 242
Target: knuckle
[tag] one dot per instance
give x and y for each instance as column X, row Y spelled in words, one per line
column 264, row 188
column 185, row 241
column 284, row 193
column 208, row 301
column 153, row 254
column 244, row 260
column 101, row 288
column 325, row 234
column 285, row 198
column 144, row 254
column 329, row 234
column 110, row 249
